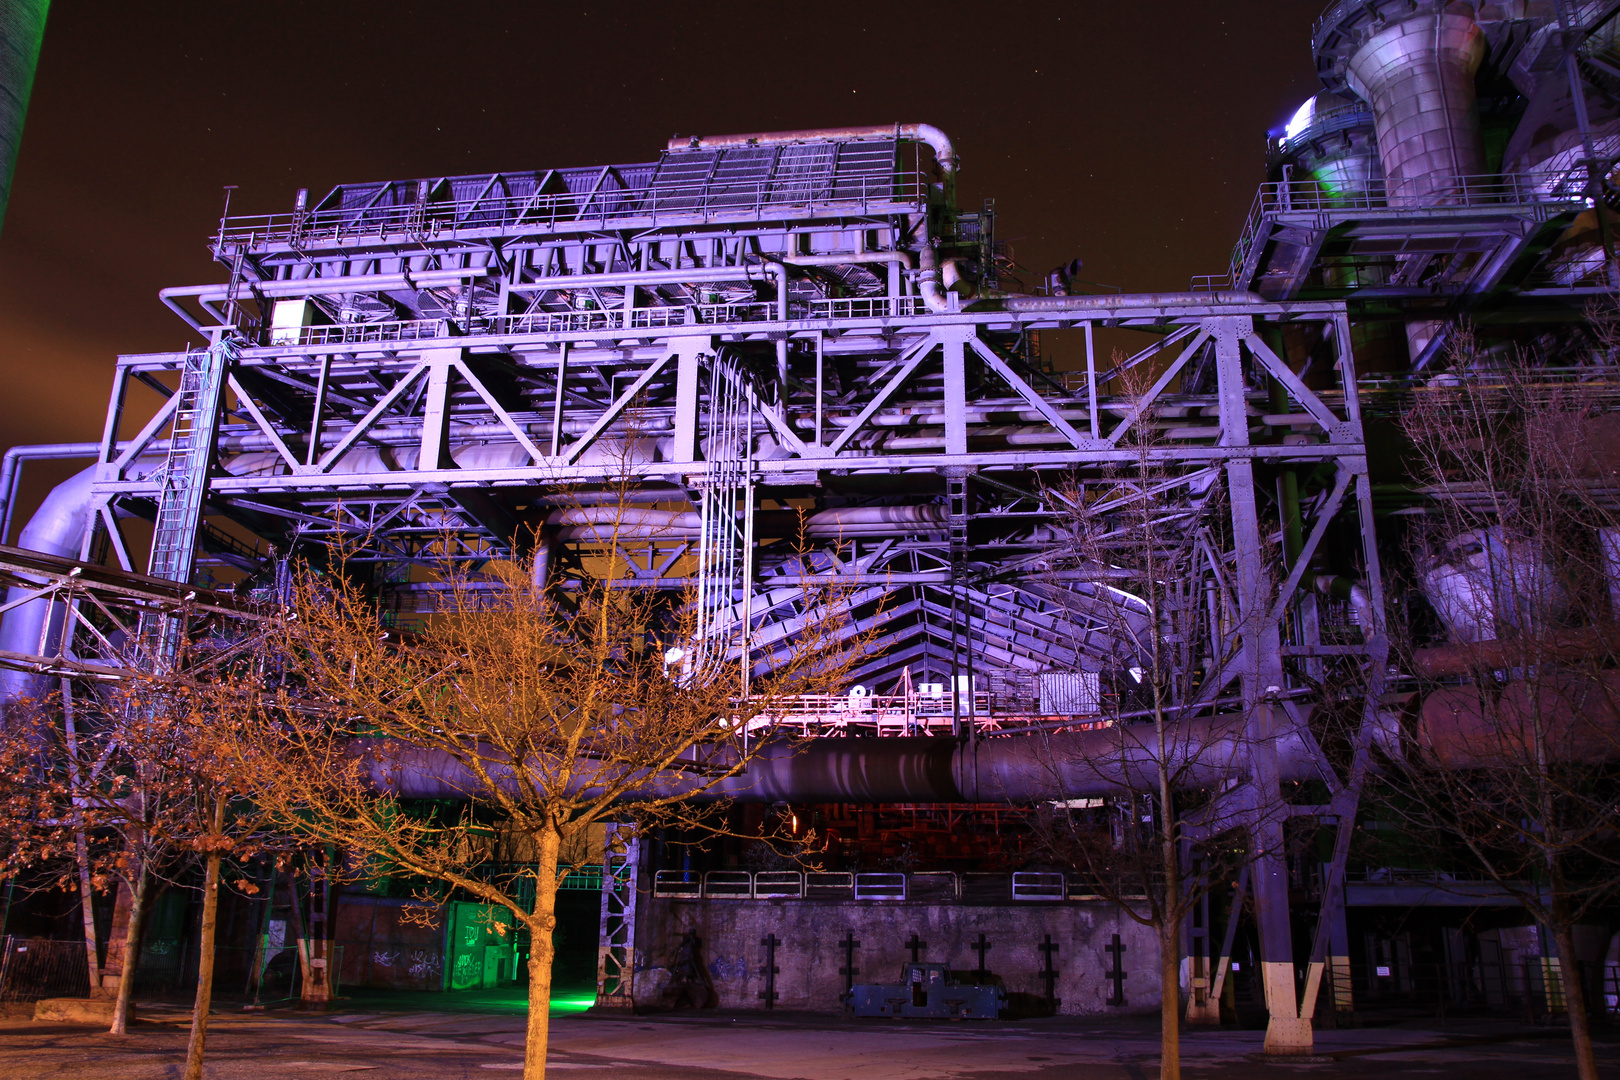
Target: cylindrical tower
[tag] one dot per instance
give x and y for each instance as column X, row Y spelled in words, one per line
column 1328, row 142
column 1328, row 153
column 1414, row 63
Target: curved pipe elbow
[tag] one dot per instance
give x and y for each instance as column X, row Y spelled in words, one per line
column 930, row 281
column 936, row 140
column 168, row 298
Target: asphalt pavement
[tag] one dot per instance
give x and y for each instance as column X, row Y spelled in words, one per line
column 481, row 1037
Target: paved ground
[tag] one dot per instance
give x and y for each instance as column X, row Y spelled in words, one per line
column 483, row 1038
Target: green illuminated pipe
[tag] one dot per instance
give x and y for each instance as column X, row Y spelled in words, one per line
column 22, row 28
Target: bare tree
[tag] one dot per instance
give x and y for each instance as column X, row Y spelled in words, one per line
column 175, row 798
column 547, row 715
column 1164, row 819
column 84, row 815
column 1513, row 770
column 129, row 787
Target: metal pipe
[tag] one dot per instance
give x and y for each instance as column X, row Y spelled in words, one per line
column 606, row 522
column 930, row 283
column 849, row 258
column 11, row 471
column 207, row 295
column 57, row 528
column 1204, row 752
column 927, row 134
column 1121, row 301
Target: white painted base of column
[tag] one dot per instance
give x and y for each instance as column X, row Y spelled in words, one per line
column 1289, row 1037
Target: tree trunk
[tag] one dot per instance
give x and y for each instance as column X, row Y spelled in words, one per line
column 81, row 852
column 1169, row 922
column 541, row 924
column 1580, row 1027
column 205, row 948
column 1170, row 1000
column 132, row 951
column 81, row 848
column 311, row 993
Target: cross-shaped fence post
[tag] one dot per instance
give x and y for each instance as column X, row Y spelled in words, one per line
column 981, row 947
column 770, row 970
column 1049, row 972
column 849, row 970
column 1118, row 975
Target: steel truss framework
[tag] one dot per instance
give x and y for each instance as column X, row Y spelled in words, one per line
column 457, row 378
column 103, row 610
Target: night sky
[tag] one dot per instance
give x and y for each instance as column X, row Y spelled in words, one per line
column 1129, row 134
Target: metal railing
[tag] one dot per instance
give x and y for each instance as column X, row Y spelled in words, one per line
column 881, row 714
column 880, row 886
column 1023, row 886
column 1417, row 196
column 599, row 320
column 1035, row 885
column 857, row 193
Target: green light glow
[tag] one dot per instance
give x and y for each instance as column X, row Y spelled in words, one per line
column 571, row 1004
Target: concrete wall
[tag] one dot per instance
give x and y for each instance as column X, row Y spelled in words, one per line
column 810, row 955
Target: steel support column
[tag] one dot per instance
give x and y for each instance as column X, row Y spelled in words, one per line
column 616, row 942
column 1262, row 681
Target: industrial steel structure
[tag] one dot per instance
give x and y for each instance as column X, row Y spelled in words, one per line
column 762, row 365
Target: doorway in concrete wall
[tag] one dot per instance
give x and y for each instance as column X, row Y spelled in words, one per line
column 573, row 970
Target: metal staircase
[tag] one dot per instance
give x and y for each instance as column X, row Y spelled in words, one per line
column 184, row 482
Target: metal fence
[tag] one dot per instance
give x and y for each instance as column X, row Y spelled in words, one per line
column 35, row 968
column 948, row 886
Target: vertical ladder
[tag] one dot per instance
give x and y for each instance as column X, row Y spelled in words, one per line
column 233, row 291
column 184, row 482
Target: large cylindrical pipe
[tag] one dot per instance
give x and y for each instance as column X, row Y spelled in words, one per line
column 1023, row 769
column 57, row 528
column 1558, row 717
column 11, row 472
column 1127, row 301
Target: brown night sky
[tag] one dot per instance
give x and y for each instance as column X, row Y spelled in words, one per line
column 1130, row 134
